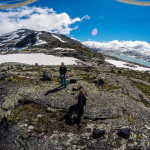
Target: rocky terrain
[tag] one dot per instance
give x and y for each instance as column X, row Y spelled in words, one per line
column 34, row 106
column 36, row 113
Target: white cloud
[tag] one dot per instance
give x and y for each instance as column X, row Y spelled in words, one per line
column 117, row 45
column 36, row 18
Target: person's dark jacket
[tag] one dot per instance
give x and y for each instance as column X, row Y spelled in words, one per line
column 63, row 70
column 82, row 100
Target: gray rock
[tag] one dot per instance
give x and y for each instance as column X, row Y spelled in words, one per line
column 99, row 81
column 97, row 133
column 47, row 75
column 4, row 75
column 124, row 133
column 73, row 81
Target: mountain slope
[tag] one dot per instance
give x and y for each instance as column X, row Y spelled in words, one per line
column 29, row 41
column 138, row 49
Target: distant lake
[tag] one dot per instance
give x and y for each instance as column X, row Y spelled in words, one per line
column 134, row 60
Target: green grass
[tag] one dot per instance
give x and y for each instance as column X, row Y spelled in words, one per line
column 33, row 69
column 143, row 87
column 142, row 100
column 42, row 119
column 18, row 79
column 109, row 87
column 145, row 76
column 131, row 119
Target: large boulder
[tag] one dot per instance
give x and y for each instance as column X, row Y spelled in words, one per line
column 47, row 75
column 4, row 75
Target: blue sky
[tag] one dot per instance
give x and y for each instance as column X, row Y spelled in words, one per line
column 112, row 19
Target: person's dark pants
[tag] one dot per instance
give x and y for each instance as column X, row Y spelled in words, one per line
column 63, row 80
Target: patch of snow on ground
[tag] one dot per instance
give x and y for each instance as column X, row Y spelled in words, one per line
column 60, row 48
column 39, row 58
column 122, row 64
column 58, row 38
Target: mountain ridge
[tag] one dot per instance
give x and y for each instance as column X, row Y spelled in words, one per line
column 138, row 49
column 30, row 41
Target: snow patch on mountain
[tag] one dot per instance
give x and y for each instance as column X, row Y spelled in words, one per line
column 55, row 36
column 117, row 45
column 139, row 49
column 60, row 48
column 16, row 35
column 40, row 42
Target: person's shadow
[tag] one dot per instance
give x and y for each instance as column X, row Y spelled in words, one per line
column 54, row 90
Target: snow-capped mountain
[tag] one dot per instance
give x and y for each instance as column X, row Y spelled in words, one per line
column 25, row 38
column 138, row 49
column 29, row 41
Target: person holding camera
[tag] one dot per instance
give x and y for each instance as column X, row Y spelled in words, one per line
column 82, row 98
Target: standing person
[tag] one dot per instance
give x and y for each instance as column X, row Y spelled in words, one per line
column 63, row 71
column 82, row 98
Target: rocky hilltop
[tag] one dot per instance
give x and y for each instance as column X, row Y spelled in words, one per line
column 35, row 108
column 37, row 113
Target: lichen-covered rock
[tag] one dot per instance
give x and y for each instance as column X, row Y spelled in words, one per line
column 100, row 81
column 4, row 75
column 47, row 75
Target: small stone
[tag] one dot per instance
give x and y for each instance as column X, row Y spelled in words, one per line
column 87, row 69
column 73, row 93
column 147, row 127
column 75, row 89
column 4, row 123
column 119, row 71
column 73, row 80
column 31, row 127
column 112, row 71
column 40, row 116
column 100, row 81
column 36, row 64
column 50, row 109
column 25, row 125
column 97, row 133
column 124, row 133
